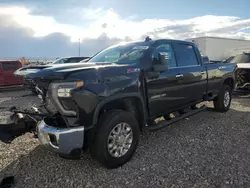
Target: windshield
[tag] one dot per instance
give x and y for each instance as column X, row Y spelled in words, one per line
column 121, row 54
column 241, row 58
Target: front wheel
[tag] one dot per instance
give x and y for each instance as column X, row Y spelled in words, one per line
column 116, row 138
column 223, row 101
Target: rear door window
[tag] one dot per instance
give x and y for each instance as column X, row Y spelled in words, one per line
column 185, row 55
column 10, row 66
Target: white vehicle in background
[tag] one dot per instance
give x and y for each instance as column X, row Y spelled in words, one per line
column 220, row 49
column 243, row 70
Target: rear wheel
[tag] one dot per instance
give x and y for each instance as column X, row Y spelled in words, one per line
column 223, row 101
column 116, row 138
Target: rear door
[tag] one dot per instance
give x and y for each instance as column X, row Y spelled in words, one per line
column 191, row 72
column 8, row 68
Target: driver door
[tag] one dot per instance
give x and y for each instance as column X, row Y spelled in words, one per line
column 165, row 91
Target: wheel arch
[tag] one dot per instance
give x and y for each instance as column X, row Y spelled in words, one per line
column 129, row 102
column 229, row 81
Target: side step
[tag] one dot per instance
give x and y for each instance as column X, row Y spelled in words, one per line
column 168, row 122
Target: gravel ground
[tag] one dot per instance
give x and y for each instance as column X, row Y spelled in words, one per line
column 206, row 150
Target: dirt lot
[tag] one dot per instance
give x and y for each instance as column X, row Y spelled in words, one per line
column 206, row 150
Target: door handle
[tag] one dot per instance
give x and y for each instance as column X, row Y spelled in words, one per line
column 179, row 75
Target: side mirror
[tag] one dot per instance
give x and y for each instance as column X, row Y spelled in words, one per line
column 205, row 60
column 164, row 58
column 163, row 65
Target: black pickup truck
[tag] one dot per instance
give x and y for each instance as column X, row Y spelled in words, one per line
column 104, row 104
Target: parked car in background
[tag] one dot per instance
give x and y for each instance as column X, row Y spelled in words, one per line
column 7, row 77
column 24, row 71
column 243, row 70
column 228, row 59
column 69, row 60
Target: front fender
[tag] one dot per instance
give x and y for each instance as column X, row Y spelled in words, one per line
column 119, row 97
column 229, row 77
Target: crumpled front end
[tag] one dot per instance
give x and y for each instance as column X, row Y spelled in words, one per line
column 60, row 132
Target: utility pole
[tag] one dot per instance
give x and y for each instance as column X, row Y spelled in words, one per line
column 79, row 47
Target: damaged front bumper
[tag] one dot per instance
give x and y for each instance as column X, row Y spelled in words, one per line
column 65, row 141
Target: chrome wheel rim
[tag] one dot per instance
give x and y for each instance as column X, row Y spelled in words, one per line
column 120, row 140
column 226, row 98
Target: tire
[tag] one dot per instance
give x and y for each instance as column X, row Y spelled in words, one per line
column 219, row 104
column 107, row 123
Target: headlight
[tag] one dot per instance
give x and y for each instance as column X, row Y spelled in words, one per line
column 64, row 89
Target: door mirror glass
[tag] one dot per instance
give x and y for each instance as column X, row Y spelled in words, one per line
column 163, row 63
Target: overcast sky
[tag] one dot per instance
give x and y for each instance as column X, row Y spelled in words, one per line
column 51, row 28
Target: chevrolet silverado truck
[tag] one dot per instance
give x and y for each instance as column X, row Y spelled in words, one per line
column 104, row 104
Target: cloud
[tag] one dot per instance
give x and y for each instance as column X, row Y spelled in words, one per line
column 26, row 31
column 17, row 41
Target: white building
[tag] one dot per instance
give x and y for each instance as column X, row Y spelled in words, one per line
column 218, row 49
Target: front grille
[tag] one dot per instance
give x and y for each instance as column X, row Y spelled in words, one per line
column 68, row 104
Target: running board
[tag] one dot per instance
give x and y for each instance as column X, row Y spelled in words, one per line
column 169, row 122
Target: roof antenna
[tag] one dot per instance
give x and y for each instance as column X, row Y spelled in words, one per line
column 147, row 39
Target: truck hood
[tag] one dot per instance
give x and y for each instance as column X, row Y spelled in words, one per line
column 24, row 71
column 60, row 72
column 30, row 69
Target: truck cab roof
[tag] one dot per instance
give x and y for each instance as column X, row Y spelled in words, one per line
column 155, row 42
